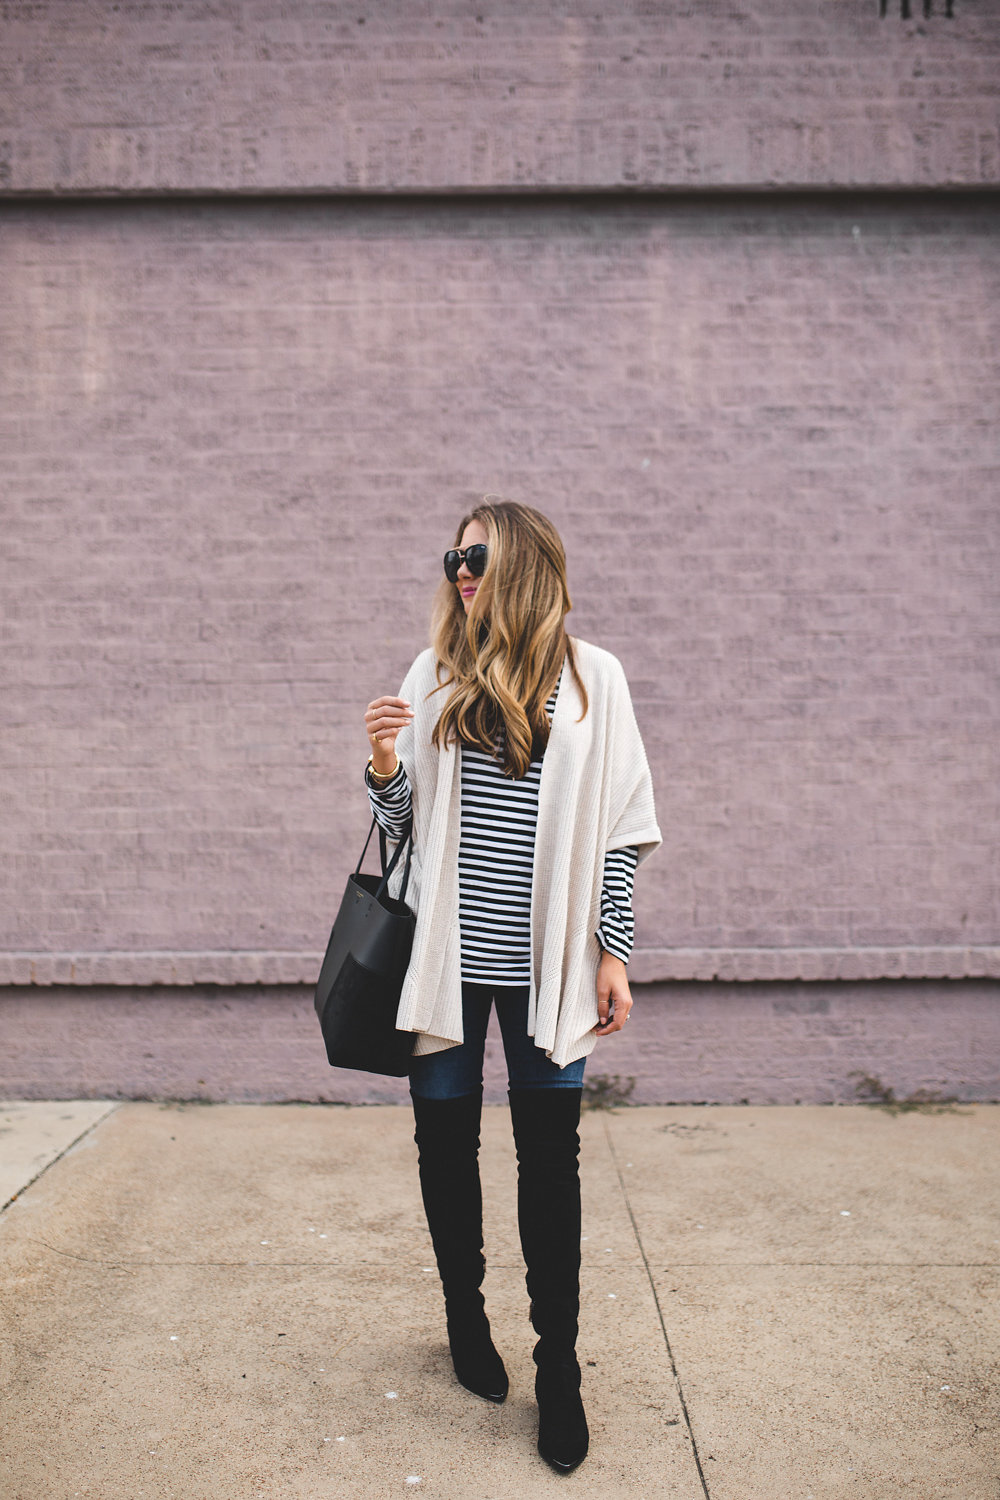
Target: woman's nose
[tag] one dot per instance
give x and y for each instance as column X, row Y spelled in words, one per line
column 463, row 571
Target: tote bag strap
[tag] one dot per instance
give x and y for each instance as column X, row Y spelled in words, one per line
column 407, row 839
column 387, row 868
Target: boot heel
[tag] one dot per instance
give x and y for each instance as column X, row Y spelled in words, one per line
column 563, row 1435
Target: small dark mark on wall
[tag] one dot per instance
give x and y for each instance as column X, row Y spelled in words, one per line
column 906, row 8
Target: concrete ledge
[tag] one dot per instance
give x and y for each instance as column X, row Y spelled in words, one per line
column 229, row 967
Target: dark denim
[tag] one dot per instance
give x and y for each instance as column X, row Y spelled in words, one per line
column 459, row 1070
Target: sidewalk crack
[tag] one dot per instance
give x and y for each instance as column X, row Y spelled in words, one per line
column 115, row 1105
column 659, row 1313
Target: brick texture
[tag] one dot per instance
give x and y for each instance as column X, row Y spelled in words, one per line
column 260, row 96
column 688, row 1044
column 342, row 271
column 237, row 438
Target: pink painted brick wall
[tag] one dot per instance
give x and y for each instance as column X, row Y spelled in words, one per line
column 237, row 439
column 688, row 1043
column 256, row 95
column 237, row 434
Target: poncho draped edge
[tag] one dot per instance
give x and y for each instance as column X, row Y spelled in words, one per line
column 595, row 793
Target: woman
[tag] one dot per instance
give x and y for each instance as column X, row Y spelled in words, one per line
column 515, row 749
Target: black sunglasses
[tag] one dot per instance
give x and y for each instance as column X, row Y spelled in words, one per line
column 474, row 558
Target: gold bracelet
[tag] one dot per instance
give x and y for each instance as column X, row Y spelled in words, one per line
column 383, row 776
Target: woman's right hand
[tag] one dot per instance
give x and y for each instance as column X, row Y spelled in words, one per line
column 384, row 718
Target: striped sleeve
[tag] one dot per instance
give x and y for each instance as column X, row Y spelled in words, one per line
column 617, row 928
column 392, row 803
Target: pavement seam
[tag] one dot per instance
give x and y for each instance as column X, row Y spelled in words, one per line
column 115, row 1105
column 835, row 1265
column 676, row 1265
column 659, row 1312
column 340, row 1264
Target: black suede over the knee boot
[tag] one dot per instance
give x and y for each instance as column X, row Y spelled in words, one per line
column 447, row 1137
column 546, row 1135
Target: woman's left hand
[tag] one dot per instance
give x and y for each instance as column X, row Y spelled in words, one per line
column 613, row 998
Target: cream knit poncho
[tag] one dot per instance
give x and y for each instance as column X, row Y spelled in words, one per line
column 595, row 794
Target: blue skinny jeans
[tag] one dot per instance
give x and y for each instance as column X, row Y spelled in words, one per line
column 459, row 1070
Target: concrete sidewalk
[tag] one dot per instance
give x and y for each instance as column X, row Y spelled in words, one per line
column 221, row 1302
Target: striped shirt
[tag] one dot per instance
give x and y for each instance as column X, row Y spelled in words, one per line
column 496, row 862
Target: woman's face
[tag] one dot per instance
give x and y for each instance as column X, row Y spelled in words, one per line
column 466, row 583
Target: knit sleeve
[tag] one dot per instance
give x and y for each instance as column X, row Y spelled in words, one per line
column 617, row 928
column 392, row 803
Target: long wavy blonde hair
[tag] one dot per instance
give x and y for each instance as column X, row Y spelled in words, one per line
column 503, row 658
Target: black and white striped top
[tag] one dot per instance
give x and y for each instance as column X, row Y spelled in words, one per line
column 495, row 866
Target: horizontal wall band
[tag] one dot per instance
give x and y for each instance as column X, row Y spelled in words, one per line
column 648, row 965
column 744, row 964
column 957, row 187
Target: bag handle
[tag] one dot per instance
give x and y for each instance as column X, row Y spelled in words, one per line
column 387, row 869
column 407, row 839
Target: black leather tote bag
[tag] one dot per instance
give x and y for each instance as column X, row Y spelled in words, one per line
column 359, row 985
